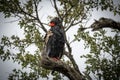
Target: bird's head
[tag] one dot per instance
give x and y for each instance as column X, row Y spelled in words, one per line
column 55, row 21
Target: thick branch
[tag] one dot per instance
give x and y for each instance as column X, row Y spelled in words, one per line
column 105, row 23
column 61, row 67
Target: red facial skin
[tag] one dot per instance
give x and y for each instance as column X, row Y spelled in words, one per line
column 52, row 24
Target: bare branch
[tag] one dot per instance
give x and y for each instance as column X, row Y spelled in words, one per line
column 36, row 11
column 61, row 67
column 51, row 3
column 70, row 56
column 105, row 23
column 56, row 8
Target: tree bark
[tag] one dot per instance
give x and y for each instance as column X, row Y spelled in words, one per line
column 105, row 23
column 60, row 66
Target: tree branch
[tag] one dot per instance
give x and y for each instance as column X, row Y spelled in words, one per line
column 73, row 73
column 83, row 16
column 36, row 11
column 73, row 21
column 70, row 56
column 68, row 10
column 61, row 67
column 105, row 23
column 21, row 10
column 56, row 8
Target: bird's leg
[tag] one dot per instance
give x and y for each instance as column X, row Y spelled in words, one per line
column 55, row 58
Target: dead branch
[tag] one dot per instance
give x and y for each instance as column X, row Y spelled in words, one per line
column 105, row 23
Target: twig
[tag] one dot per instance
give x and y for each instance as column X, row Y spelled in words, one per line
column 44, row 29
column 56, row 8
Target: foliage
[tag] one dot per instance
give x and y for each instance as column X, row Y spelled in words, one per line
column 104, row 58
column 72, row 13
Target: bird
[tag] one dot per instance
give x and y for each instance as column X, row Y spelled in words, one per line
column 55, row 40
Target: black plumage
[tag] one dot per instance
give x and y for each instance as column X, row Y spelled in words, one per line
column 56, row 42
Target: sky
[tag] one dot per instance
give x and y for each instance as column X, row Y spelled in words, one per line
column 9, row 28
